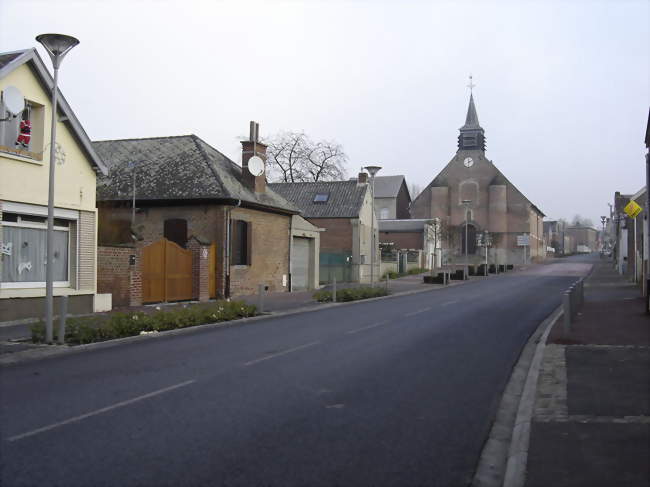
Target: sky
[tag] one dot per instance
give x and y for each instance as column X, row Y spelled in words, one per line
column 562, row 87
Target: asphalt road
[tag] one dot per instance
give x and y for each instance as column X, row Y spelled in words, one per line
column 399, row 391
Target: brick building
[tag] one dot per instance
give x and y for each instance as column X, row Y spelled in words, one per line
column 470, row 190
column 216, row 217
column 343, row 209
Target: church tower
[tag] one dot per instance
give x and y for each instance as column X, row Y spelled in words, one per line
column 472, row 135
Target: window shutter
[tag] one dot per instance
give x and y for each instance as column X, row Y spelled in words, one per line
column 249, row 243
column 234, row 242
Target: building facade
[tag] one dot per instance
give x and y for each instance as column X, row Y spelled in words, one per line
column 471, row 196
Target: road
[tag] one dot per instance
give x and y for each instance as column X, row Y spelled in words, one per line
column 400, row 391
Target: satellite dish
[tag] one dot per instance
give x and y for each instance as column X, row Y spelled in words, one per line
column 13, row 99
column 256, row 166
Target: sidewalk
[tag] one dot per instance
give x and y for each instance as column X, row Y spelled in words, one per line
column 591, row 422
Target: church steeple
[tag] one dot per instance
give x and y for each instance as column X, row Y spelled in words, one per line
column 472, row 135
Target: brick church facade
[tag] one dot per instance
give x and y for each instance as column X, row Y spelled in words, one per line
column 470, row 189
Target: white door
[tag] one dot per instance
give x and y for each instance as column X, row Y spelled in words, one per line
column 300, row 264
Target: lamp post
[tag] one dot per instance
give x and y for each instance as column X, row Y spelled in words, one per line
column 57, row 46
column 436, row 222
column 603, row 219
column 372, row 170
column 466, row 205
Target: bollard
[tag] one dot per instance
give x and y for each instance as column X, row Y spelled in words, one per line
column 566, row 307
column 63, row 313
column 260, row 298
column 387, row 280
column 334, row 289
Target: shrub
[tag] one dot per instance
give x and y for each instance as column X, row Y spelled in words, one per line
column 416, row 270
column 95, row 329
column 351, row 294
column 390, row 274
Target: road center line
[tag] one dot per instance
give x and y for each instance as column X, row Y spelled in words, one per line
column 100, row 411
column 284, row 352
column 374, row 325
column 450, row 302
column 424, row 310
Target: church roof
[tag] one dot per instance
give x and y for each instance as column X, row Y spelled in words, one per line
column 471, row 120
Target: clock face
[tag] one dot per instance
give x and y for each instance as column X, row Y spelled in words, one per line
column 469, row 162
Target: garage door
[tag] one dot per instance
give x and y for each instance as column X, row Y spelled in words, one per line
column 300, row 264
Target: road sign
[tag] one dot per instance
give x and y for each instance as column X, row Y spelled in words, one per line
column 523, row 240
column 632, row 209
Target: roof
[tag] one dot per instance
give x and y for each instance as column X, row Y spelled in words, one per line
column 175, row 168
column 344, row 201
column 9, row 61
column 411, row 225
column 471, row 120
column 388, row 186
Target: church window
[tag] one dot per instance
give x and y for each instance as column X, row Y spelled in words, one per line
column 471, row 239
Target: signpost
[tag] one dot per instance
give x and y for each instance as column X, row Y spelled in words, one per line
column 523, row 241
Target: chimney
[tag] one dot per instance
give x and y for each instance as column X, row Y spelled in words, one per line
column 253, row 147
column 363, row 178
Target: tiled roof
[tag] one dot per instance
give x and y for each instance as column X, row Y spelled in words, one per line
column 175, row 168
column 345, row 198
column 388, row 186
column 6, row 58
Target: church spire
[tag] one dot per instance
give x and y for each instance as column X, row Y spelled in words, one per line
column 472, row 135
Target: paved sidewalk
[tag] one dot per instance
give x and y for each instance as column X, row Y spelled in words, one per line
column 591, row 423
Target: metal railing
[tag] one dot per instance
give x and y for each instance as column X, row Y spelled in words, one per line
column 572, row 301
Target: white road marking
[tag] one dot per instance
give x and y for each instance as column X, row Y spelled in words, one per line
column 100, row 411
column 374, row 325
column 418, row 312
column 268, row 357
column 450, row 302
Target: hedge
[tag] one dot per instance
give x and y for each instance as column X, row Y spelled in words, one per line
column 351, row 294
column 89, row 329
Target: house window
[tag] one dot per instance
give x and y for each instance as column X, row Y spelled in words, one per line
column 383, row 214
column 321, row 197
column 24, row 245
column 23, row 134
column 241, row 242
column 176, row 231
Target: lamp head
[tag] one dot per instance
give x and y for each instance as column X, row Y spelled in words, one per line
column 372, row 170
column 57, row 46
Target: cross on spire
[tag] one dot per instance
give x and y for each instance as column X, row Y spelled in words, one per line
column 471, row 85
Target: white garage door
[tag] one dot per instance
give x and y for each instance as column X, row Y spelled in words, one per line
column 300, row 264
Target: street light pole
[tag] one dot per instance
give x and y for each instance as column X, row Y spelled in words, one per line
column 57, row 46
column 466, row 205
column 372, row 170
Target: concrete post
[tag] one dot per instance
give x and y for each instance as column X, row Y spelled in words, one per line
column 63, row 313
column 334, row 289
column 566, row 308
column 387, row 281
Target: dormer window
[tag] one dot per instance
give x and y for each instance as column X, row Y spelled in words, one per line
column 321, row 197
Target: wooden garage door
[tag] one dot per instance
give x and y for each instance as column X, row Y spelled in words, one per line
column 300, row 264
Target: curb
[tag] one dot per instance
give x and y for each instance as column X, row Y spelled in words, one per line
column 515, row 474
column 48, row 351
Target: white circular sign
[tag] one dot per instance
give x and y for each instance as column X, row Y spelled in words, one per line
column 13, row 99
column 256, row 166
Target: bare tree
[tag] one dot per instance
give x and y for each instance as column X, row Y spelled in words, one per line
column 579, row 221
column 293, row 157
column 414, row 190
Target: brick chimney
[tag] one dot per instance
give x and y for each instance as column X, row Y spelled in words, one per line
column 252, row 147
column 363, row 178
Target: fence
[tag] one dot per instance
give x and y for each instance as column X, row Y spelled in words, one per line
column 335, row 265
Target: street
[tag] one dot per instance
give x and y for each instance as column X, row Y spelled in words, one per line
column 399, row 391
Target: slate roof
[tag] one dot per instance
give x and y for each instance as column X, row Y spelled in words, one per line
column 471, row 120
column 12, row 60
column 175, row 168
column 388, row 186
column 345, row 198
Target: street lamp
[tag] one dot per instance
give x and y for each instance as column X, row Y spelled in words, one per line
column 603, row 219
column 57, row 46
column 436, row 222
column 466, row 205
column 372, row 170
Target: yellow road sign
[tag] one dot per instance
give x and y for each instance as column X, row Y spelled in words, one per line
column 632, row 209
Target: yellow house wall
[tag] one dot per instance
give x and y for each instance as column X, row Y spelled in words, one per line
column 26, row 180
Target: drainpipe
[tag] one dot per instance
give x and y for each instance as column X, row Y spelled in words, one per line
column 228, row 238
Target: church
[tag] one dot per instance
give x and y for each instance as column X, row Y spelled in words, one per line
column 471, row 196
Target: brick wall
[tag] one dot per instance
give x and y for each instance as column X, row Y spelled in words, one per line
column 337, row 236
column 114, row 273
column 403, row 240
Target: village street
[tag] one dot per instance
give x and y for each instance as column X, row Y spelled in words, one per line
column 400, row 390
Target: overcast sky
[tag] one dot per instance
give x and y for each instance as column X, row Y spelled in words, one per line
column 562, row 88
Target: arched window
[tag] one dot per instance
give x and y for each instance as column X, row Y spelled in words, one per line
column 471, row 238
